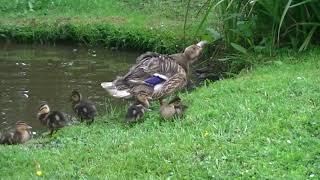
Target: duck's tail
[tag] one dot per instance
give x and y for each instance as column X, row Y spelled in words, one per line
column 113, row 91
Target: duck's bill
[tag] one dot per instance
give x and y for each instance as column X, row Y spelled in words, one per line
column 202, row 43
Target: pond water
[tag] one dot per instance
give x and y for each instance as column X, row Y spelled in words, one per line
column 31, row 74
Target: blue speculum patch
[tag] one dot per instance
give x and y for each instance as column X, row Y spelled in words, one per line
column 154, row 80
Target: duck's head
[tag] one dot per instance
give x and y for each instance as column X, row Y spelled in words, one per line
column 75, row 96
column 144, row 100
column 193, row 52
column 22, row 126
column 43, row 109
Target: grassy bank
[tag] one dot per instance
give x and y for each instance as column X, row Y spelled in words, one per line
column 263, row 124
column 153, row 25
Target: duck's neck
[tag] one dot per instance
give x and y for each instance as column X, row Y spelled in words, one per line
column 43, row 118
column 75, row 103
column 182, row 60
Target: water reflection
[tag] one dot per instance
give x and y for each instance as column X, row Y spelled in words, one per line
column 30, row 74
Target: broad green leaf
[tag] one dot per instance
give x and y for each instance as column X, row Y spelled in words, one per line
column 239, row 48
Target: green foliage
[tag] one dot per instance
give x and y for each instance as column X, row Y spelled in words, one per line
column 264, row 124
column 122, row 24
column 264, row 25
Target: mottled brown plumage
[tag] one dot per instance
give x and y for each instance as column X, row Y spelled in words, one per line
column 20, row 134
column 173, row 108
column 174, row 67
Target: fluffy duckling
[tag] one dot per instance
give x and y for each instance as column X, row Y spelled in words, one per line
column 174, row 108
column 137, row 109
column 19, row 135
column 54, row 120
column 85, row 110
column 135, row 112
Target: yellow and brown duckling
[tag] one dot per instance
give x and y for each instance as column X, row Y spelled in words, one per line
column 54, row 120
column 173, row 108
column 155, row 74
column 19, row 135
column 85, row 110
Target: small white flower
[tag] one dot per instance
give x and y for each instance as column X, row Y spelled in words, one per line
column 311, row 175
column 288, row 141
column 299, row 78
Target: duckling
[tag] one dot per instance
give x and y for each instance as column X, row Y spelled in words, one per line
column 85, row 110
column 135, row 112
column 137, row 109
column 155, row 74
column 174, row 108
column 19, row 135
column 54, row 120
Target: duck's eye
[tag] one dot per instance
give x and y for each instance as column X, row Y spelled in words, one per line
column 75, row 97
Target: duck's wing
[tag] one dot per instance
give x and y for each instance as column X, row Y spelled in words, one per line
column 174, row 83
column 146, row 55
column 57, row 119
column 147, row 67
column 7, row 138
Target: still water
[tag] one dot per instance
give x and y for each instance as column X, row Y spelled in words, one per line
column 31, row 74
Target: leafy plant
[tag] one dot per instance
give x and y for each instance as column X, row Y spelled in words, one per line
column 264, row 25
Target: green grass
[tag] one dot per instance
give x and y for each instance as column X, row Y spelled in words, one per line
column 145, row 25
column 264, row 123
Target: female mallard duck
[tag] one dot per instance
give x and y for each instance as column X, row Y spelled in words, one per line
column 155, row 75
column 173, row 108
column 20, row 134
column 54, row 120
column 85, row 110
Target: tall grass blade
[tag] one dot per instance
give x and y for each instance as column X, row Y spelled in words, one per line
column 211, row 6
column 282, row 18
column 239, row 48
column 300, row 3
column 185, row 22
column 308, row 39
